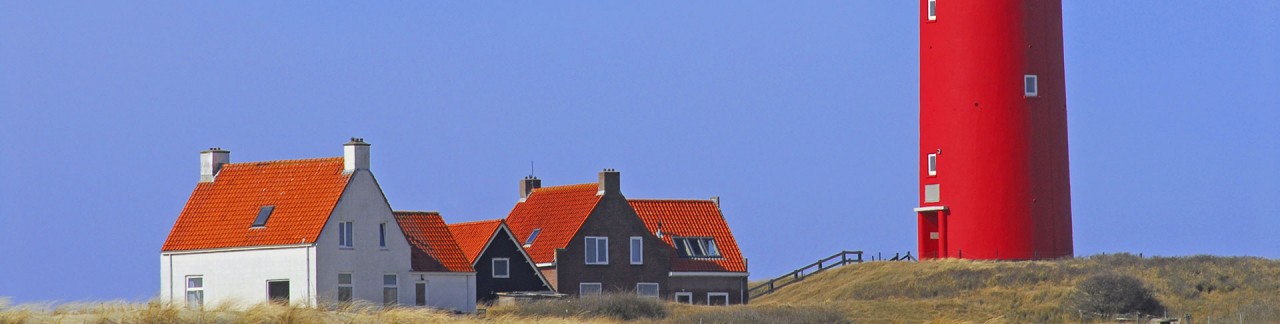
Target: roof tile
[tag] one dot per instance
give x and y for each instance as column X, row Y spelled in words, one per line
column 474, row 236
column 697, row 218
column 434, row 248
column 559, row 211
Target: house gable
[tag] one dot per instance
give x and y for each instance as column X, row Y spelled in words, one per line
column 485, row 241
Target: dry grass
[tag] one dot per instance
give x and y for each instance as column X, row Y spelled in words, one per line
column 985, row 291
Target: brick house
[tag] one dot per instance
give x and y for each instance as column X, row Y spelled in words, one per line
column 501, row 264
column 588, row 239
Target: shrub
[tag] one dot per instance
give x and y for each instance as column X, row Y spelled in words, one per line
column 1115, row 294
column 622, row 306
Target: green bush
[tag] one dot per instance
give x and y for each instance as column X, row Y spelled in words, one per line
column 1115, row 294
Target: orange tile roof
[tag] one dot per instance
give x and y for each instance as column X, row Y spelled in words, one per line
column 219, row 214
column 559, row 211
column 698, row 218
column 474, row 236
column 434, row 249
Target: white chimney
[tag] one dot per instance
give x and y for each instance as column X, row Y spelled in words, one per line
column 211, row 161
column 355, row 155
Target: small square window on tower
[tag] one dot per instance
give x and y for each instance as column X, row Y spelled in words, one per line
column 1030, row 85
column 933, row 10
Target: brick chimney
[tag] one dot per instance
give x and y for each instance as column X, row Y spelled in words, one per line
column 527, row 185
column 609, row 182
column 355, row 155
column 211, row 161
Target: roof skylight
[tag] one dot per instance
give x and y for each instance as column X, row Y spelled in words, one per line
column 532, row 236
column 263, row 214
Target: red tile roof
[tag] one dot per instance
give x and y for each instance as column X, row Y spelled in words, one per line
column 697, row 218
column 474, row 236
column 219, row 214
column 434, row 249
column 559, row 211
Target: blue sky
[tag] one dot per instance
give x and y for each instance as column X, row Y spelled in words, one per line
column 802, row 117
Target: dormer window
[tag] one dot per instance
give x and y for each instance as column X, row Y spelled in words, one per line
column 696, row 247
column 263, row 214
column 532, row 236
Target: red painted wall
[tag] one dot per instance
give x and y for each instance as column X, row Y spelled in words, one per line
column 1003, row 167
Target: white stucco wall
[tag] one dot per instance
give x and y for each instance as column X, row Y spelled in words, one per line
column 456, row 291
column 239, row 276
column 363, row 205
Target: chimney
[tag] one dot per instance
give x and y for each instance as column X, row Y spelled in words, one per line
column 527, row 185
column 609, row 182
column 211, row 161
column 716, row 200
column 355, row 155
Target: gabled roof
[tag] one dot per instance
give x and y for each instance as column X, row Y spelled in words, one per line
column 219, row 214
column 473, row 237
column 434, row 249
column 558, row 211
column 692, row 218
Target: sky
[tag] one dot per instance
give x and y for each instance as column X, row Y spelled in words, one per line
column 802, row 117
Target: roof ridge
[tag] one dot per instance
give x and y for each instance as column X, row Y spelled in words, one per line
column 324, row 159
column 672, row 199
column 479, row 221
column 566, row 187
column 437, row 212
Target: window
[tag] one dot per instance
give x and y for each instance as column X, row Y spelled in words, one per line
column 589, row 289
column 933, row 164
column 390, row 289
column 696, row 247
column 382, row 235
column 195, row 291
column 501, row 267
column 532, row 236
column 263, row 214
column 717, row 298
column 1031, row 86
column 637, row 250
column 647, row 289
column 344, row 287
column 684, row 297
column 933, row 10
column 278, row 291
column 597, row 250
column 344, row 235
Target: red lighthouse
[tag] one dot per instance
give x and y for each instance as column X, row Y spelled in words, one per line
column 994, row 179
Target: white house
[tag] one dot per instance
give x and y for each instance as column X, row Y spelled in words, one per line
column 311, row 232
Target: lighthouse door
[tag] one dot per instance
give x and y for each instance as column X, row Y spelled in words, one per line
column 930, row 237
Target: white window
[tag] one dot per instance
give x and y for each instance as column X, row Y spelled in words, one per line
column 390, row 289
column 597, row 250
column 696, row 247
column 382, row 235
column 1031, row 85
column 344, row 287
column 933, row 10
column 195, row 291
column 344, row 235
column 933, row 164
column 637, row 250
column 684, row 297
column 501, row 267
column 589, row 289
column 647, row 289
column 717, row 298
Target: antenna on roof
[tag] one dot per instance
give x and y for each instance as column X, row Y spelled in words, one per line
column 531, row 168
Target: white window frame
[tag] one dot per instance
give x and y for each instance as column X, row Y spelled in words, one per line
column 582, row 285
column 392, row 286
column 684, row 294
column 637, row 250
column 657, row 289
column 382, row 235
column 187, row 296
column 506, row 267
column 350, row 285
column 932, row 10
column 933, row 164
column 1033, row 81
column 715, row 294
column 592, row 243
column 345, row 234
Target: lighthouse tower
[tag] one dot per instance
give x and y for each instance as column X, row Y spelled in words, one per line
column 994, row 179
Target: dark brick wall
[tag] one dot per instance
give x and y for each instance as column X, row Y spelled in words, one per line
column 613, row 218
column 700, row 286
column 523, row 274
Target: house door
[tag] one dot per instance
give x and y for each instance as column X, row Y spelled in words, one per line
column 278, row 291
column 420, row 293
